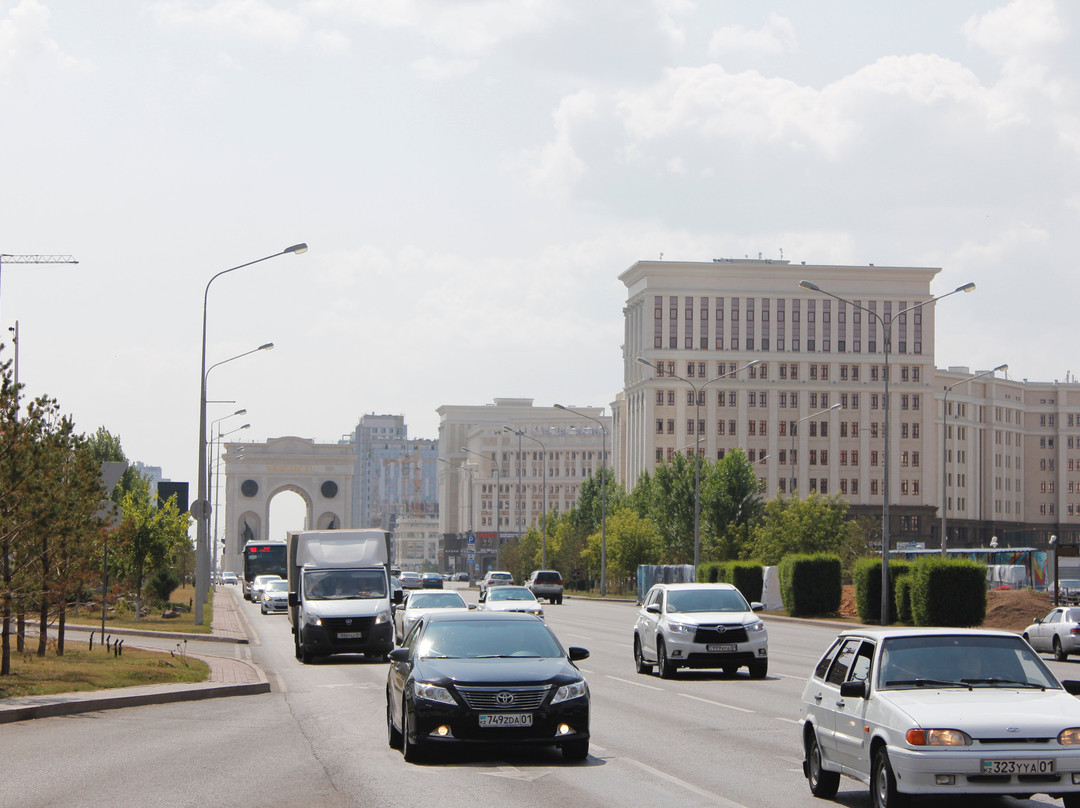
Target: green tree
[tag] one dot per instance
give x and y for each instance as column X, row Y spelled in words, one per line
column 631, row 540
column 805, row 526
column 671, row 508
column 731, row 503
column 149, row 537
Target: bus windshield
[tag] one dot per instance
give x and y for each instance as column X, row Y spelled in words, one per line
column 264, row 558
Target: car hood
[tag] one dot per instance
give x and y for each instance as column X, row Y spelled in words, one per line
column 504, row 671
column 709, row 618
column 350, row 607
column 989, row 711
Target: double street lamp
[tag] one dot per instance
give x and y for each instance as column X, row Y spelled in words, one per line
column 498, row 485
column 200, row 509
column 886, row 332
column 698, row 432
column 794, row 429
column 543, row 458
column 603, row 494
column 945, row 450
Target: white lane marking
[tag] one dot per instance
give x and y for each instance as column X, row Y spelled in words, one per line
column 631, row 682
column 716, row 703
column 788, row 720
column 514, row 773
column 716, row 798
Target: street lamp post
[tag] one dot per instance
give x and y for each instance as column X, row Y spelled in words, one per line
column 201, row 508
column 603, row 495
column 498, row 485
column 697, row 445
column 543, row 459
column 794, row 428
column 886, row 333
column 468, row 471
column 213, row 471
column 519, row 433
column 945, row 450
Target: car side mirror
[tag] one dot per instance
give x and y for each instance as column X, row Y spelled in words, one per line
column 757, row 607
column 653, row 608
column 854, row 690
column 1037, row 620
column 294, row 601
column 399, row 597
column 1072, row 687
column 577, row 653
column 472, row 605
column 399, row 655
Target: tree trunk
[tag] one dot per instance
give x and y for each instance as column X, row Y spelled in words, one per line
column 5, row 640
column 61, row 622
column 43, row 615
column 20, row 629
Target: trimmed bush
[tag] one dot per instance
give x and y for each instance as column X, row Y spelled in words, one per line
column 948, row 592
column 902, row 598
column 747, row 576
column 810, row 584
column 867, row 575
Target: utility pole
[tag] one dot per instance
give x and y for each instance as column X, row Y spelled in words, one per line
column 7, row 258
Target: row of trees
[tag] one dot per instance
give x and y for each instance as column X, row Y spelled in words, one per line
column 53, row 534
column 654, row 524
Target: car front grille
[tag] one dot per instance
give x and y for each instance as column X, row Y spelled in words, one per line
column 720, row 633
column 504, row 698
column 347, row 623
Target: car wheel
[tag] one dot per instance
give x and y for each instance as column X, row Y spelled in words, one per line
column 883, row 793
column 575, row 750
column 1059, row 653
column 393, row 734
column 823, row 784
column 302, row 653
column 730, row 670
column 262, row 609
column 560, row 600
column 639, row 657
column 409, row 749
column 664, row 666
column 758, row 668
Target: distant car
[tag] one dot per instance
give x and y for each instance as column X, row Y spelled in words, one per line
column 410, row 580
column 229, row 578
column 275, row 596
column 1069, row 591
column 419, row 604
column 512, row 599
column 485, row 678
column 699, row 626
column 462, row 576
column 950, row 713
column 546, row 584
column 431, row 580
column 257, row 584
column 494, row 578
column 1057, row 633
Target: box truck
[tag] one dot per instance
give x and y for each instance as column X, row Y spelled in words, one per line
column 340, row 598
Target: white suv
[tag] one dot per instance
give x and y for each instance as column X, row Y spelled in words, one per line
column 700, row 626
column 494, row 578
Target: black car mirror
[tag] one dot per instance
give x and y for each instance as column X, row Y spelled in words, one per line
column 293, row 601
column 857, row 690
column 399, row 655
column 577, row 653
column 1072, row 687
column 653, row 608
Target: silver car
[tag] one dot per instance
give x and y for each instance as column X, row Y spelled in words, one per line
column 420, row 603
column 274, row 597
column 1057, row 633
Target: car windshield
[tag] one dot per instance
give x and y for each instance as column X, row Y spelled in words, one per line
column 510, row 593
column 961, row 660
column 706, row 600
column 344, row 584
column 277, row 586
column 488, row 639
column 436, row 600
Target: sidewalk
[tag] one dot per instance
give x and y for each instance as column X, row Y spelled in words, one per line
column 229, row 676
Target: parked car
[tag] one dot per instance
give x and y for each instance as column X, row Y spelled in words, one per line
column 546, row 584
column 410, row 580
column 1057, row 633
column 431, row 580
column 275, row 597
column 257, row 584
column 699, row 626
column 462, row 576
column 512, row 599
column 494, row 578
column 419, row 604
column 944, row 712
column 1069, row 591
column 484, row 677
column 229, row 578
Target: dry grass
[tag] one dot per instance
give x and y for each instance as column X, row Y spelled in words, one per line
column 81, row 669
column 185, row 623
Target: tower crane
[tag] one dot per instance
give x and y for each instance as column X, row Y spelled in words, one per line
column 8, row 258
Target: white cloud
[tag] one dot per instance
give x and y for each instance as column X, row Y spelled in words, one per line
column 432, row 68
column 555, row 167
column 24, row 38
column 250, row 19
column 776, row 35
column 1023, row 28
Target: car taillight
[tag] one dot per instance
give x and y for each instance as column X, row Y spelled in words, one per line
column 1075, row 631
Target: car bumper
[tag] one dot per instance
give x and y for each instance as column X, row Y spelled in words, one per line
column 376, row 640
column 920, row 772
column 463, row 725
column 276, row 605
column 689, row 654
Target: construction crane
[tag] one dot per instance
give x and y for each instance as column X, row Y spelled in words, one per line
column 8, row 258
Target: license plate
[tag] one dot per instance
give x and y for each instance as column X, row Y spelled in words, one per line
column 506, row 720
column 1042, row 766
column 350, row 635
column 719, row 648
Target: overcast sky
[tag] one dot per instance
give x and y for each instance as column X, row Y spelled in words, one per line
column 472, row 177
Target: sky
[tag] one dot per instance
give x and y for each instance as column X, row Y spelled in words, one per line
column 471, row 178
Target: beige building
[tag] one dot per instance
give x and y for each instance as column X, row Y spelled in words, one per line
column 417, row 543
column 511, row 475
column 742, row 356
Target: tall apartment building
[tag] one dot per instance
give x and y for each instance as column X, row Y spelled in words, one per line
column 395, row 476
column 417, row 544
column 498, row 487
column 743, row 356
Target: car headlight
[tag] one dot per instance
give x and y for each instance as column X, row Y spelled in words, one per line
column 382, row 617
column 938, row 737
column 1069, row 737
column 422, row 690
column 756, row 626
column 681, row 628
column 571, row 691
column 313, row 619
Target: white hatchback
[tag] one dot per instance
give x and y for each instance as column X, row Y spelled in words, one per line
column 700, row 626
column 944, row 712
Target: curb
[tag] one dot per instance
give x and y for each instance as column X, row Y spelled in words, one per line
column 171, row 635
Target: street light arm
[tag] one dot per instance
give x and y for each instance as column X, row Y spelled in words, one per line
column 269, row 346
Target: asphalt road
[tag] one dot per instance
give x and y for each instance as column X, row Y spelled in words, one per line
column 319, row 739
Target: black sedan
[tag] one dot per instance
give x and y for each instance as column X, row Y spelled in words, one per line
column 485, row 678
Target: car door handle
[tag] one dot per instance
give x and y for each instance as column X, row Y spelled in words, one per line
column 840, row 704
column 817, row 697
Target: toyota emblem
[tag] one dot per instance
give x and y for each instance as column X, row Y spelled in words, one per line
column 348, row 621
column 505, row 698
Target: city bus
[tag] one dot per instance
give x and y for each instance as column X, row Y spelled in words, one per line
column 263, row 558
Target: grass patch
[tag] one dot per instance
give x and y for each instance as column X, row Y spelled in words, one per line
column 185, row 623
column 81, row 669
